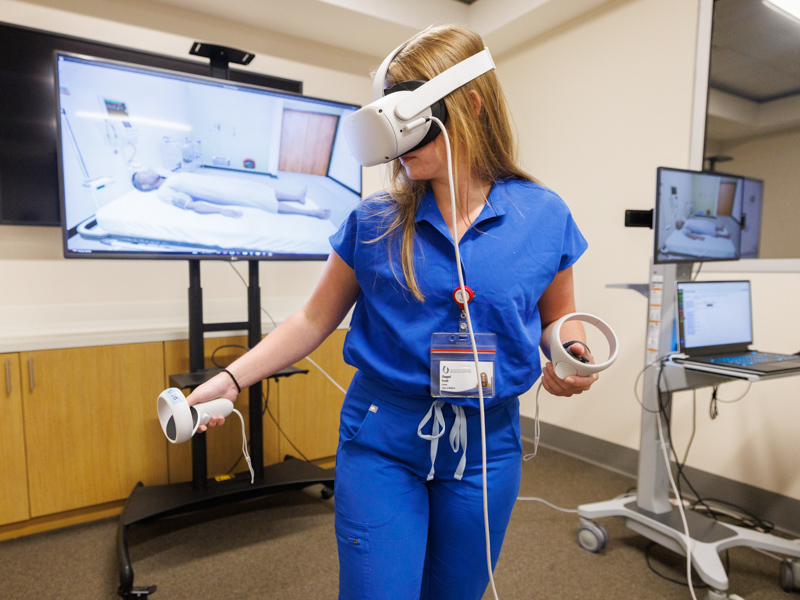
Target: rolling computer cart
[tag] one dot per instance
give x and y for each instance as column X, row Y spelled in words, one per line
column 650, row 512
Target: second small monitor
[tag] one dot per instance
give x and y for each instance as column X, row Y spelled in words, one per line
column 698, row 216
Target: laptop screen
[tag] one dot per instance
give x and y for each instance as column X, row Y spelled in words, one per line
column 714, row 314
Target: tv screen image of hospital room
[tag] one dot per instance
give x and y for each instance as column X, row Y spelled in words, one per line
column 160, row 164
column 698, row 216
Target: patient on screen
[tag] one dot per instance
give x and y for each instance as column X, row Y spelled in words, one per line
column 207, row 194
column 696, row 228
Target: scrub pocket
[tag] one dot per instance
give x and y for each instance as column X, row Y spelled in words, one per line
column 513, row 414
column 357, row 412
column 354, row 568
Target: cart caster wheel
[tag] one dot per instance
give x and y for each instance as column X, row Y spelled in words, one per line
column 591, row 536
column 789, row 569
column 326, row 493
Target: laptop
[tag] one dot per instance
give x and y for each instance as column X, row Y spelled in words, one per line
column 715, row 330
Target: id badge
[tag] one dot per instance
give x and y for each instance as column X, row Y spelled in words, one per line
column 453, row 371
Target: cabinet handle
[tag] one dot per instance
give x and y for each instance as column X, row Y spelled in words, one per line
column 8, row 377
column 30, row 370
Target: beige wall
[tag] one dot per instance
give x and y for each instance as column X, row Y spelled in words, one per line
column 599, row 102
column 764, row 441
column 775, row 159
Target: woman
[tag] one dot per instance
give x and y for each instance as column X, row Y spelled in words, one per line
column 409, row 519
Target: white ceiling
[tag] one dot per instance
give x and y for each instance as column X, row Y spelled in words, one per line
column 375, row 27
column 755, row 72
column 755, row 59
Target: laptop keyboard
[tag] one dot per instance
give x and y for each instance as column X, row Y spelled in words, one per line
column 752, row 358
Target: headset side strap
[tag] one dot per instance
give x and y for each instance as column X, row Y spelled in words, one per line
column 443, row 84
column 380, row 74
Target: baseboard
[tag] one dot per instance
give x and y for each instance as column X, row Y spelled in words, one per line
column 59, row 520
column 780, row 510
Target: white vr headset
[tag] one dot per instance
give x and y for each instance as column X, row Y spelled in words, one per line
column 397, row 121
column 565, row 362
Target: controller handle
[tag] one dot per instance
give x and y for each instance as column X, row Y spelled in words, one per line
column 179, row 421
column 565, row 363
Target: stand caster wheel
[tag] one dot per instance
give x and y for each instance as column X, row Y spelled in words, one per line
column 591, row 536
column 790, row 575
column 326, row 493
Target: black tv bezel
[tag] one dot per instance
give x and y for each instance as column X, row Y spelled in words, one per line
column 656, row 220
column 47, row 207
column 212, row 254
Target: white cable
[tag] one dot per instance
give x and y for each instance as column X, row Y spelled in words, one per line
column 274, row 324
column 543, row 501
column 321, row 370
column 264, row 310
column 474, row 350
column 746, row 391
column 244, row 448
column 680, row 506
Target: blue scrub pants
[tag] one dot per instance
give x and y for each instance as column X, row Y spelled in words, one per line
column 400, row 536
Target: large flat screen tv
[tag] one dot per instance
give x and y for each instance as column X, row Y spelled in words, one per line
column 28, row 162
column 698, row 216
column 159, row 164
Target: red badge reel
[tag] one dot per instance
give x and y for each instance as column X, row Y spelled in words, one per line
column 458, row 296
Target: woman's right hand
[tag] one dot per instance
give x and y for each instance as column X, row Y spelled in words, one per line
column 219, row 386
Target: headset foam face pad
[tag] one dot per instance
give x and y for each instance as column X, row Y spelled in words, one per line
column 438, row 109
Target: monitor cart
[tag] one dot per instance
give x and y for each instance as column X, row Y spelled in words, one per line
column 649, row 512
column 149, row 503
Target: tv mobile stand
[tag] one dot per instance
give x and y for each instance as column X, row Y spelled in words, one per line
column 149, row 503
column 650, row 512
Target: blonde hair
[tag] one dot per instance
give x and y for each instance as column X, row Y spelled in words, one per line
column 485, row 142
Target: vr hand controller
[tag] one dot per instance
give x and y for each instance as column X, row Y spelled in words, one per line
column 179, row 421
column 567, row 363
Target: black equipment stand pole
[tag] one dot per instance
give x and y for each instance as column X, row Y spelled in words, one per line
column 197, row 330
column 253, row 338
column 197, row 364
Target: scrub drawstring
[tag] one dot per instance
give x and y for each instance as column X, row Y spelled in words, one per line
column 458, row 434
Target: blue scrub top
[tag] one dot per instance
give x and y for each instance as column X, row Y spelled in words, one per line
column 522, row 238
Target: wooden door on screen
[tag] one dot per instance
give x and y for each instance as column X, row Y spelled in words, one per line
column 727, row 192
column 307, row 142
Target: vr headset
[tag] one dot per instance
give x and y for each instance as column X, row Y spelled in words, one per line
column 398, row 121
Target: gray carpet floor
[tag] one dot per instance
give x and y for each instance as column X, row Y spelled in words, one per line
column 283, row 546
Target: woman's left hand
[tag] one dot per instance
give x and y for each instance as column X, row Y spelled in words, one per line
column 573, row 384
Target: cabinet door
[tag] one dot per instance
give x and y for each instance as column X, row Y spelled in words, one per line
column 91, row 425
column 13, row 476
column 309, row 405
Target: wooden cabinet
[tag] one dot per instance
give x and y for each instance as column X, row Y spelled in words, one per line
column 13, row 469
column 91, row 427
column 309, row 405
column 306, row 406
column 79, row 427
